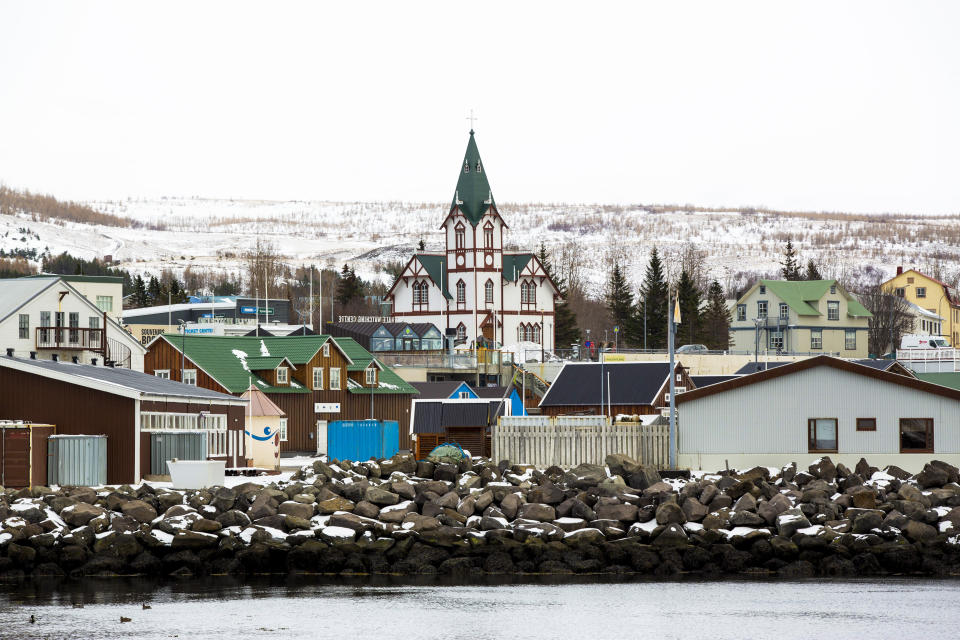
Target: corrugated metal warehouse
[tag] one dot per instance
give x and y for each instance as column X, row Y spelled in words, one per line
column 821, row 406
column 124, row 405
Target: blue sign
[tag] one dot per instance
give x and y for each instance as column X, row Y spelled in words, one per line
column 248, row 309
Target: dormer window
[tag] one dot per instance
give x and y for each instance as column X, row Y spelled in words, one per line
column 283, row 375
column 466, row 166
column 371, row 376
column 479, row 168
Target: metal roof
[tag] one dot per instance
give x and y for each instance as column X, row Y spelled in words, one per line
column 753, row 367
column 16, row 292
column 631, row 383
column 706, row 381
column 143, row 383
column 473, row 195
column 439, row 390
column 435, row 416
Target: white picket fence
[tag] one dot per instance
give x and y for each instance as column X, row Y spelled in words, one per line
column 567, row 441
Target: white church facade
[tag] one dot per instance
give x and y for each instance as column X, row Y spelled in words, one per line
column 475, row 287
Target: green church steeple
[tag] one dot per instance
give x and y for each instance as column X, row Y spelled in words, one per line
column 473, row 195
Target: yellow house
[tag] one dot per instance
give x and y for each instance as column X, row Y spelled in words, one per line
column 807, row 316
column 932, row 295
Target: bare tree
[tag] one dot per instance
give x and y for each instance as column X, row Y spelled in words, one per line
column 892, row 317
column 263, row 261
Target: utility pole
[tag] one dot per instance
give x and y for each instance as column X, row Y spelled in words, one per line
column 672, row 310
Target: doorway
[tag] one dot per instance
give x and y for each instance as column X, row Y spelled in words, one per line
column 321, row 437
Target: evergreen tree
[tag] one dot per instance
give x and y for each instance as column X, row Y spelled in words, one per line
column 421, row 245
column 139, row 292
column 813, row 271
column 653, row 301
column 349, row 286
column 565, row 329
column 177, row 293
column 619, row 301
column 689, row 330
column 790, row 269
column 716, row 319
column 155, row 292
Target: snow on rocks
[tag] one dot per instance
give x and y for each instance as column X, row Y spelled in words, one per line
column 402, row 516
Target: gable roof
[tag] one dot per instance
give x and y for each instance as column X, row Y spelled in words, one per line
column 819, row 361
column 706, row 381
column 950, row 292
column 513, row 264
column 265, row 363
column 119, row 381
column 886, row 365
column 473, row 195
column 433, row 416
column 949, row 379
column 631, row 383
column 753, row 367
column 441, row 390
column 493, row 392
column 798, row 294
column 436, row 267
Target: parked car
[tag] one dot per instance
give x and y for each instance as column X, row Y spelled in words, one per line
column 693, row 348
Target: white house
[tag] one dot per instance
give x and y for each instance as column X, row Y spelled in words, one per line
column 49, row 318
column 475, row 286
column 802, row 410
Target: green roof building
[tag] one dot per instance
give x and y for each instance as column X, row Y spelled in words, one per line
column 474, row 288
column 806, row 317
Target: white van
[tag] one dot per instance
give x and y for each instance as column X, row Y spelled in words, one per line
column 923, row 342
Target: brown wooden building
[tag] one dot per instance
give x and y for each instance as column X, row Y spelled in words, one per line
column 633, row 388
column 314, row 379
column 124, row 405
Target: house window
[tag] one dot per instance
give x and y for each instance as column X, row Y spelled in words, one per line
column 371, row 376
column 74, row 325
column 762, row 309
column 833, row 289
column 741, row 312
column 784, row 311
column 921, row 292
column 763, row 289
column 190, row 376
column 528, row 294
column 816, row 339
column 899, row 292
column 105, row 303
column 24, row 326
column 326, row 349
column 283, row 429
column 463, row 395
column 866, row 424
column 461, row 333
column 822, row 435
column 334, row 379
column 850, row 339
column 535, row 330
column 318, row 378
column 94, row 322
column 488, row 237
column 461, row 292
column 158, row 421
column 162, row 373
column 775, row 341
column 916, row 435
column 833, row 310
column 488, row 292
column 282, row 375
column 460, row 237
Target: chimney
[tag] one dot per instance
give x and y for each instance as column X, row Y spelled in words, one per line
column 9, row 352
column 75, row 360
column 33, row 355
column 93, row 361
column 55, row 357
column 899, row 270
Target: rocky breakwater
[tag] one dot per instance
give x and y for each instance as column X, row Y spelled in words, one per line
column 400, row 516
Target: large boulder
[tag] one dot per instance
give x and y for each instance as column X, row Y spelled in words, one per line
column 932, row 476
column 621, row 512
column 791, row 521
column 80, row 514
column 298, row 509
column 670, row 513
column 326, row 507
column 823, row 469
column 693, row 510
column 539, row 512
column 770, row 509
column 584, row 476
column 139, row 511
column 381, row 497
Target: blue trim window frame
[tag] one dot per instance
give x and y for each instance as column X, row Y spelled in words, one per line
column 775, row 340
column 784, row 311
column 833, row 310
column 850, row 339
column 761, row 308
column 741, row 312
column 816, row 339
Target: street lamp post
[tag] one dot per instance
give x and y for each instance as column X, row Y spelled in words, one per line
column 183, row 338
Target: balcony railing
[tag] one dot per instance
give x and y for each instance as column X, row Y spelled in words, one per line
column 440, row 361
column 64, row 338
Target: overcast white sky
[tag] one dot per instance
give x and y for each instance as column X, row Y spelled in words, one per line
column 834, row 105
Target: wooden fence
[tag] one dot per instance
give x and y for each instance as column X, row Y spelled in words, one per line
column 567, row 441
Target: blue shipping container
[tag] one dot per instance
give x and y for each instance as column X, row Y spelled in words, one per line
column 360, row 440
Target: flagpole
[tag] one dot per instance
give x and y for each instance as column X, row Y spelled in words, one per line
column 673, row 407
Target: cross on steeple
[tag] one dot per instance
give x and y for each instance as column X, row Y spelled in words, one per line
column 471, row 118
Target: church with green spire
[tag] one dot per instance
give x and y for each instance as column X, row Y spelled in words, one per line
column 484, row 294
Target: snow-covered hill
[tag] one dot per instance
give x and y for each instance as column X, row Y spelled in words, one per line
column 214, row 234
